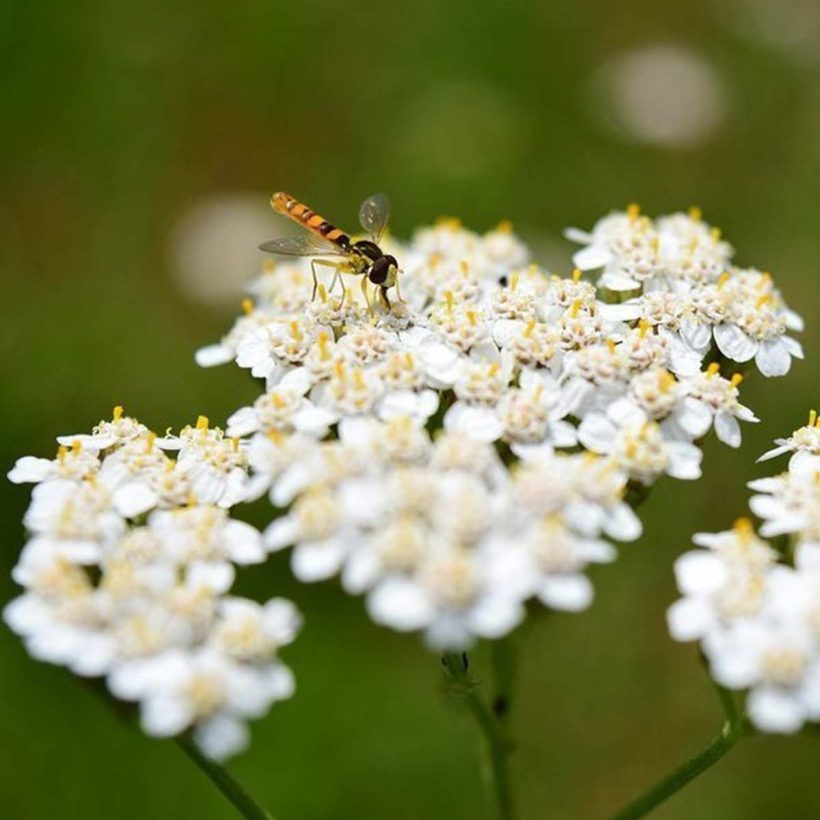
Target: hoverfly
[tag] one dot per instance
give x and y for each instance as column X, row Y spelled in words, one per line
column 362, row 257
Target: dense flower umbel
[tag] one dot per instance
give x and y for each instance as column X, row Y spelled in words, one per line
column 127, row 575
column 754, row 605
column 470, row 447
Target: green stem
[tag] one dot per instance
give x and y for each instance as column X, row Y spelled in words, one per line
column 684, row 774
column 733, row 729
column 230, row 788
column 496, row 744
column 502, row 655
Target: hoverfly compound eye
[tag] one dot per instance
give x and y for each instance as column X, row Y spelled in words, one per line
column 378, row 273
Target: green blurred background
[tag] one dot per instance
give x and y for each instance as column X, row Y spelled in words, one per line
column 139, row 145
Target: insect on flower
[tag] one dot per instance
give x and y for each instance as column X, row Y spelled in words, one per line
column 362, row 257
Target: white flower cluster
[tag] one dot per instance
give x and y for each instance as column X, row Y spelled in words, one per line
column 412, row 448
column 127, row 575
column 754, row 604
column 688, row 286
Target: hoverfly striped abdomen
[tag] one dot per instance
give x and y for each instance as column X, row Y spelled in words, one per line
column 290, row 206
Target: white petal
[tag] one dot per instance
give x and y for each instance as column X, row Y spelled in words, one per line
column 696, row 335
column 694, row 417
column 242, row 422
column 597, row 433
column 773, row 358
column 30, row 469
column 591, row 257
column 315, row 561
column 622, row 523
column 134, row 499
column 689, row 619
column 734, row 343
column 480, row 423
column 699, row 572
column 221, row 736
column 165, row 715
column 493, row 616
column 775, row 710
column 684, row 460
column 571, row 593
column 400, row 604
column 727, row 429
column 213, row 355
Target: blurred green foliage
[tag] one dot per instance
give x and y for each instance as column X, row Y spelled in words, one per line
column 119, row 116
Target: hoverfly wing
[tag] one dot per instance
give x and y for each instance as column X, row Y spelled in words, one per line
column 374, row 214
column 307, row 245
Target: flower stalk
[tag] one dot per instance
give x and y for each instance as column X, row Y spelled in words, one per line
column 490, row 721
column 734, row 727
column 231, row 789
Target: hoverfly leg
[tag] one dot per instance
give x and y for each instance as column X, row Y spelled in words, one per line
column 383, row 292
column 398, row 289
column 366, row 294
column 313, row 263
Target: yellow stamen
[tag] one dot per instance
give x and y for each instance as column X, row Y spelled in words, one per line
column 493, row 369
column 268, row 265
column 149, row 441
column 528, row 330
column 574, row 308
column 452, row 223
column 505, row 226
column 633, row 211
column 610, row 343
column 743, row 527
column 812, row 418
column 247, row 306
column 62, row 452
column 117, row 413
column 514, row 280
column 339, row 370
column 763, row 300
column 448, row 298
column 644, row 327
column 464, row 266
column 736, row 379
column 323, row 342
column 656, row 243
column 276, row 436
column 713, row 369
column 715, row 233
column 472, row 318
column 358, row 379
column 202, row 423
column 277, row 400
column 235, row 443
column 724, row 278
column 576, row 274
column 322, row 290
column 295, row 331
column 765, row 280
column 695, row 213
column 667, row 381
column 76, row 447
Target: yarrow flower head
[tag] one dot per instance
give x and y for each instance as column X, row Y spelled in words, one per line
column 754, row 604
column 127, row 576
column 400, row 435
column 459, row 435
